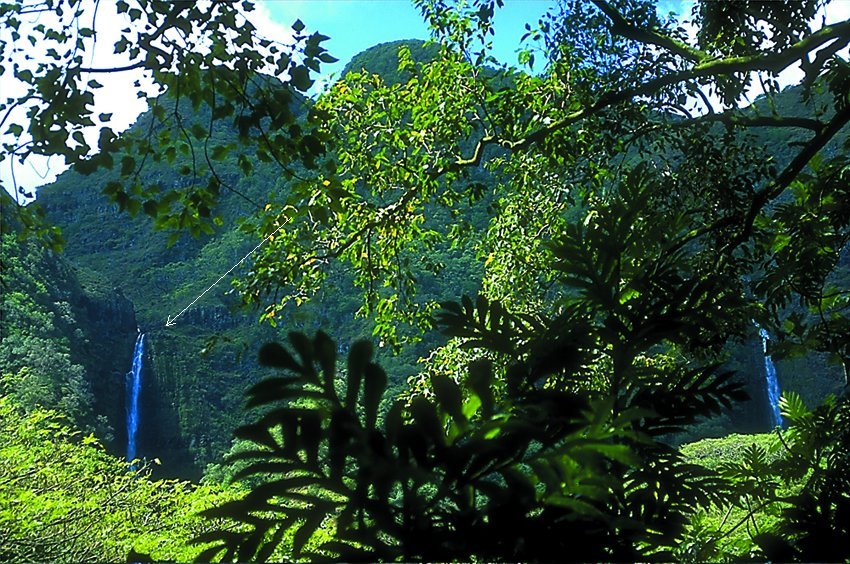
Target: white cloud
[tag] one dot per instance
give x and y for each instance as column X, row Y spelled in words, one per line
column 266, row 25
column 117, row 97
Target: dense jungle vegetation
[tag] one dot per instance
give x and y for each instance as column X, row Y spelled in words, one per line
column 492, row 313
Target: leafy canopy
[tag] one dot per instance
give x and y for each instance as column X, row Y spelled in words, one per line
column 636, row 226
column 208, row 69
column 666, row 233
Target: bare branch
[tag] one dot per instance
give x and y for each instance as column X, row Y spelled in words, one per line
column 134, row 66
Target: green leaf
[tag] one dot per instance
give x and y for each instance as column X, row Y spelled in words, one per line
column 374, row 385
column 480, row 382
column 325, row 350
column 173, row 238
column 274, row 355
column 358, row 357
column 128, row 165
column 245, row 165
column 273, row 390
column 310, row 434
column 394, row 421
column 150, row 207
column 25, row 76
column 199, row 131
column 791, row 405
column 134, row 206
column 299, row 77
column 306, row 531
column 425, row 416
column 448, row 396
column 304, row 347
column 256, row 433
column 219, row 152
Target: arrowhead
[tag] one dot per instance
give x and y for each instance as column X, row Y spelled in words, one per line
column 169, row 322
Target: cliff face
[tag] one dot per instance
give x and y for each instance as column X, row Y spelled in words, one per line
column 64, row 342
column 189, row 404
column 196, row 371
column 108, row 322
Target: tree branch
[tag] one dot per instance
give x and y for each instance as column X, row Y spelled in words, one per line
column 763, row 121
column 770, row 191
column 621, row 26
column 811, row 68
column 736, row 118
column 134, row 66
column 767, row 193
column 773, row 62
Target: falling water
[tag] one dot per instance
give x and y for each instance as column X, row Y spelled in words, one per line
column 772, row 382
column 134, row 385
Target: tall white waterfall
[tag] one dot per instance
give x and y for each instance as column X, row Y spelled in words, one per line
column 134, row 385
column 773, row 391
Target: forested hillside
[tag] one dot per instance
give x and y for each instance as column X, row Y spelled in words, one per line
column 199, row 369
column 203, row 390
column 590, row 308
column 65, row 342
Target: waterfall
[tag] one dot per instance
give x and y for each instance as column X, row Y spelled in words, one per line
column 134, row 385
column 772, row 382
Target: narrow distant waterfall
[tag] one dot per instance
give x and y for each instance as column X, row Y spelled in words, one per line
column 134, row 385
column 772, row 383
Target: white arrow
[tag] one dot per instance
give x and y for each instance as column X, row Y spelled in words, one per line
column 170, row 321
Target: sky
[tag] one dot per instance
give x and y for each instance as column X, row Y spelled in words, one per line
column 352, row 25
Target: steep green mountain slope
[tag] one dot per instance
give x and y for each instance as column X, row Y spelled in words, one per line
column 198, row 369
column 382, row 59
column 183, row 389
column 812, row 376
column 191, row 401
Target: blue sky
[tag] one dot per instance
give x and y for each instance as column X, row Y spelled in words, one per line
column 354, row 26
